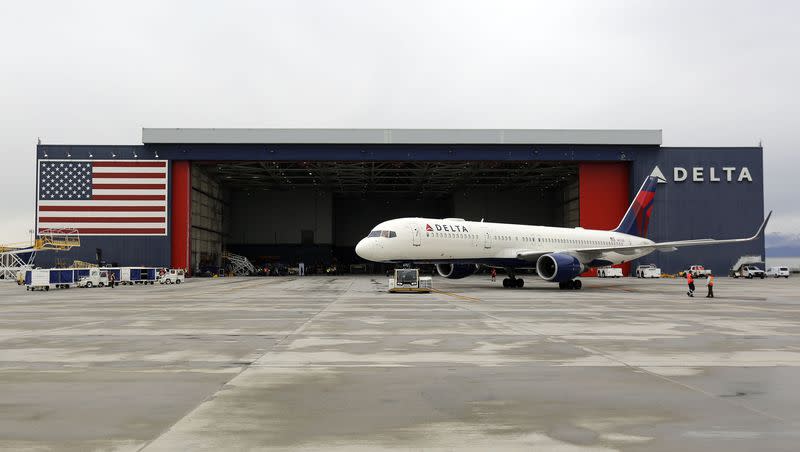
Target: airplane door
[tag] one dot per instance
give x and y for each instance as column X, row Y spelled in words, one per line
column 415, row 235
column 487, row 238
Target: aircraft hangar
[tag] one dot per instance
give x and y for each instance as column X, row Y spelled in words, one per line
column 291, row 195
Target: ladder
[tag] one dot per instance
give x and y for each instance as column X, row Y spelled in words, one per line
column 239, row 265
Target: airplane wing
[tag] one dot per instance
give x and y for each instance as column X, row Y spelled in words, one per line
column 663, row 246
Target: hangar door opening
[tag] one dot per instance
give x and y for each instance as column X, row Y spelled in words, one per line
column 282, row 213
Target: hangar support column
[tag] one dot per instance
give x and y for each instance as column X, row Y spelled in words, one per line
column 180, row 218
column 604, row 191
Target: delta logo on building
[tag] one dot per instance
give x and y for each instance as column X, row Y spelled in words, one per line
column 702, row 174
column 446, row 228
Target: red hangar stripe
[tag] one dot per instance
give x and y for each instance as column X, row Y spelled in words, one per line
column 103, row 197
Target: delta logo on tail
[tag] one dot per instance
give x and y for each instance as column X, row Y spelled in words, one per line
column 637, row 219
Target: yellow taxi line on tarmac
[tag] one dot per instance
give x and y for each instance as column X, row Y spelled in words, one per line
column 464, row 297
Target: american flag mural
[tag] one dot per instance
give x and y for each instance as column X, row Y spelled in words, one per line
column 103, row 197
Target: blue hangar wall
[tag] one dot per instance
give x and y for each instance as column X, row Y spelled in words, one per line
column 705, row 203
column 708, row 193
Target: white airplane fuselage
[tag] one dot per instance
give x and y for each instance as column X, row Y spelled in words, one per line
column 559, row 255
column 456, row 241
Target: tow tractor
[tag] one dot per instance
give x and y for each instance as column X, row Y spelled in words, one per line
column 609, row 272
column 648, row 271
column 408, row 280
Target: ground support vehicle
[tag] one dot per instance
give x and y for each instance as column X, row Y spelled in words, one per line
column 172, row 276
column 648, row 271
column 748, row 271
column 777, row 272
column 52, row 278
column 609, row 272
column 95, row 278
column 134, row 275
column 698, row 271
column 408, row 280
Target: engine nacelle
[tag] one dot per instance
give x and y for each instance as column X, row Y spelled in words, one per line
column 455, row 271
column 558, row 267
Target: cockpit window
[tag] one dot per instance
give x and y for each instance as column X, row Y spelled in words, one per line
column 386, row 234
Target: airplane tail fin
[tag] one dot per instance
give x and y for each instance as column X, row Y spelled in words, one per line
column 637, row 218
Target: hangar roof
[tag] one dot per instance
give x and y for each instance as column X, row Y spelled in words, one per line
column 648, row 137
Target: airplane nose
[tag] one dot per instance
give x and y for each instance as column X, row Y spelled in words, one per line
column 361, row 248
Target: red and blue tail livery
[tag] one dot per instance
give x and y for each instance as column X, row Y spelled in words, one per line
column 637, row 218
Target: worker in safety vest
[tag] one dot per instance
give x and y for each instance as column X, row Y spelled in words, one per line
column 690, row 281
column 710, row 284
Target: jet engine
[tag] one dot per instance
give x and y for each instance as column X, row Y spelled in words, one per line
column 558, row 267
column 456, row 271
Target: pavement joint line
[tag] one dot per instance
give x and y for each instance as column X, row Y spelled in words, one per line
column 240, row 285
column 244, row 369
column 628, row 365
column 94, row 322
column 453, row 294
column 40, row 333
column 702, row 303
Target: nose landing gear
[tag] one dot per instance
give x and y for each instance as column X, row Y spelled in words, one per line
column 572, row 284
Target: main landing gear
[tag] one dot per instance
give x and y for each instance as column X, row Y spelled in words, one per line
column 572, row 284
column 512, row 281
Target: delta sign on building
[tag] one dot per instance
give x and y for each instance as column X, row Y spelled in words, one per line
column 179, row 199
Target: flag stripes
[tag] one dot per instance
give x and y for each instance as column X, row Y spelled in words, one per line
column 103, row 197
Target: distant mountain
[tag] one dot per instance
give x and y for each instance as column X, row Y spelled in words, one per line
column 779, row 244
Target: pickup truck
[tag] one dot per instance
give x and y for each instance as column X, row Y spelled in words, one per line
column 749, row 272
column 648, row 271
column 698, row 271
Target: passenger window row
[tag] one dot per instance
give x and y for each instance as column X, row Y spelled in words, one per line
column 451, row 235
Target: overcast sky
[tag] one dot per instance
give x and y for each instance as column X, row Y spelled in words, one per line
column 707, row 73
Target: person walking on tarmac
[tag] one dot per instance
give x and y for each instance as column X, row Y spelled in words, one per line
column 690, row 282
column 710, row 284
column 111, row 279
column 493, row 273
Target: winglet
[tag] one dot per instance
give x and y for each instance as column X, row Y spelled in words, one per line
column 763, row 225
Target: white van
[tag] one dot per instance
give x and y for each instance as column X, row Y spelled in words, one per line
column 777, row 272
column 171, row 276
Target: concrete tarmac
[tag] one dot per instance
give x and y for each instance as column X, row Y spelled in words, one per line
column 337, row 363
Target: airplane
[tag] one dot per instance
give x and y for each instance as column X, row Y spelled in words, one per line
column 458, row 247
